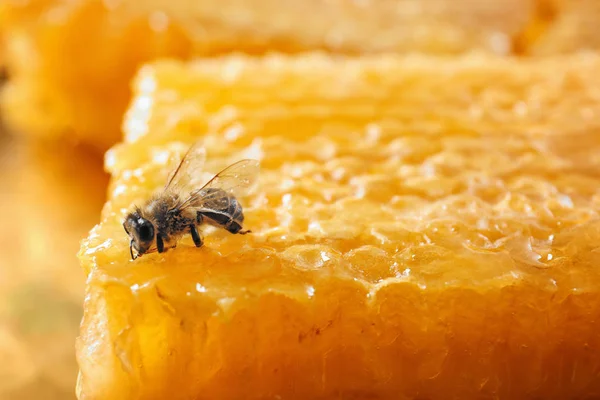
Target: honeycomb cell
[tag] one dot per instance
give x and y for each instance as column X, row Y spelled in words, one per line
column 561, row 27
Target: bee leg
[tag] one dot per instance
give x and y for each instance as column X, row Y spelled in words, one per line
column 195, row 236
column 160, row 245
column 131, row 250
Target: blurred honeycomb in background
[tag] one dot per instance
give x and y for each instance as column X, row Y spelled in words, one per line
column 71, row 61
column 51, row 195
column 69, row 64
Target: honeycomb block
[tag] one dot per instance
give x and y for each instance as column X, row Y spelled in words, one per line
column 423, row 227
column 71, row 61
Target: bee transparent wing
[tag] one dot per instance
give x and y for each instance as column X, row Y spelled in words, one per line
column 185, row 178
column 237, row 181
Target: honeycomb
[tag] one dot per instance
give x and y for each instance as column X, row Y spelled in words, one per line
column 423, row 228
column 71, row 61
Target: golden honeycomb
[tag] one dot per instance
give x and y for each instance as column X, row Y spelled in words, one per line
column 423, row 227
column 71, row 61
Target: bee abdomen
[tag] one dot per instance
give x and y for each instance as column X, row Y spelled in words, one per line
column 227, row 212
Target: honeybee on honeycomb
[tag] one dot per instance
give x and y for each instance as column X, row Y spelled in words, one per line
column 181, row 207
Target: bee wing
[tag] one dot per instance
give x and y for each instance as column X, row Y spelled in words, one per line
column 237, row 180
column 184, row 178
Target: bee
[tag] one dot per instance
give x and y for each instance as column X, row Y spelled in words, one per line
column 182, row 208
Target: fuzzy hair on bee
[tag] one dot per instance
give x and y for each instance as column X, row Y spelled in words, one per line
column 182, row 207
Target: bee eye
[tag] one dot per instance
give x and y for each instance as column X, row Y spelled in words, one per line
column 146, row 232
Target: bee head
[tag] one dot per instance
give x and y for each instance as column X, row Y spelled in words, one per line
column 141, row 233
